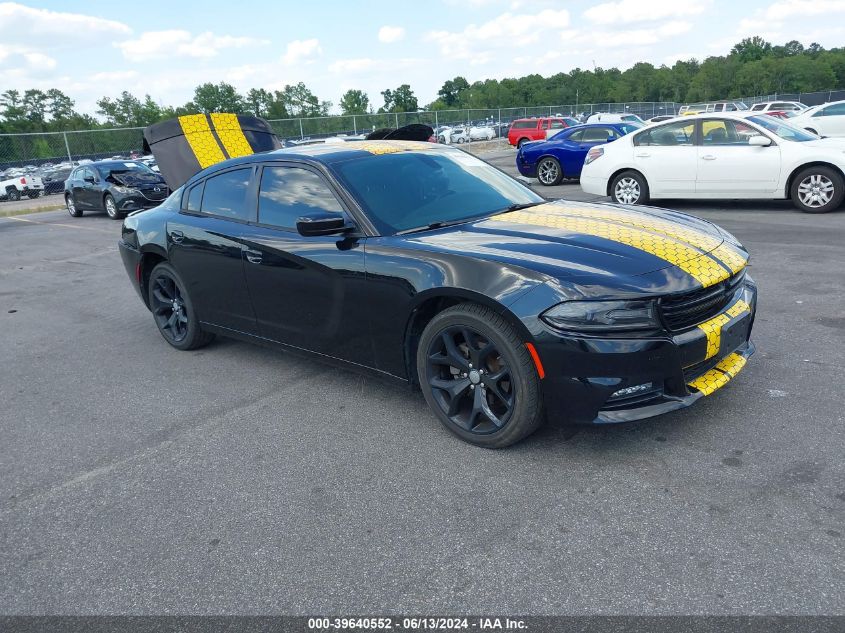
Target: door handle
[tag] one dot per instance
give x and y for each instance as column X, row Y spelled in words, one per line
column 642, row 155
column 177, row 236
column 708, row 157
column 253, row 257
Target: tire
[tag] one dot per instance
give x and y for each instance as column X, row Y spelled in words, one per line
column 13, row 195
column 817, row 189
column 521, row 142
column 506, row 405
column 71, row 207
column 629, row 187
column 32, row 195
column 460, row 140
column 549, row 171
column 111, row 207
column 178, row 326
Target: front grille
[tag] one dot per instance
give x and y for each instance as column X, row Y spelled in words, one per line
column 158, row 196
column 688, row 309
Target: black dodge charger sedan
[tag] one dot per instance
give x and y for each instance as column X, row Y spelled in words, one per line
column 423, row 264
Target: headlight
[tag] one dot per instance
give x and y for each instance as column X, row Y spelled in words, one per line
column 125, row 190
column 602, row 315
column 593, row 154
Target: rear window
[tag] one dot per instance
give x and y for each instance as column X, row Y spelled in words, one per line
column 225, row 194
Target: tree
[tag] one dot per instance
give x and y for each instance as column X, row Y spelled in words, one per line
column 258, row 101
column 354, row 102
column 450, row 92
column 400, row 100
column 751, row 49
column 128, row 110
column 220, row 97
column 59, row 105
column 299, row 101
column 13, row 110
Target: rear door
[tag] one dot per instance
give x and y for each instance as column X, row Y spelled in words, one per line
column 304, row 288
column 205, row 247
column 729, row 166
column 668, row 158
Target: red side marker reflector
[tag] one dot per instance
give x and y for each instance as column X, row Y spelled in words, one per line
column 539, row 365
column 138, row 272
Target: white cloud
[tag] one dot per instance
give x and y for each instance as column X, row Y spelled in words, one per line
column 180, row 43
column 627, row 11
column 390, row 34
column 302, row 52
column 630, row 37
column 785, row 9
column 19, row 23
column 507, row 30
column 368, row 64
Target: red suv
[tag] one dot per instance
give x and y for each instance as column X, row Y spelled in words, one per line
column 524, row 130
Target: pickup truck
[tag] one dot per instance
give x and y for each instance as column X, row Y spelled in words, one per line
column 524, row 130
column 15, row 188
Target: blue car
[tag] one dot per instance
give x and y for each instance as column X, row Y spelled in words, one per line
column 562, row 156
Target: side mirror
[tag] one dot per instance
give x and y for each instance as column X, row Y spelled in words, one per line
column 89, row 179
column 758, row 140
column 321, row 224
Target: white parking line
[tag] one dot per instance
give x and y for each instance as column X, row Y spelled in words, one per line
column 68, row 226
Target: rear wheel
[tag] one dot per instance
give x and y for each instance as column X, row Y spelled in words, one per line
column 111, row 207
column 173, row 311
column 817, row 189
column 629, row 187
column 478, row 377
column 13, row 194
column 71, row 207
column 521, row 142
column 549, row 172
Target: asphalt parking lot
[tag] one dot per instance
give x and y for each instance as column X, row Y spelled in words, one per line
column 138, row 479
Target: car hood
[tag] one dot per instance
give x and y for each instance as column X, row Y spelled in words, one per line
column 610, row 243
column 827, row 143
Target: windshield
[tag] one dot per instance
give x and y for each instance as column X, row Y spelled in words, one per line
column 406, row 190
column 782, row 129
column 631, row 126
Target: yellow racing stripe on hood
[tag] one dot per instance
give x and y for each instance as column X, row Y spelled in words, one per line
column 201, row 140
column 706, row 270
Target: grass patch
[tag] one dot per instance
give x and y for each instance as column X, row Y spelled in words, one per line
column 5, row 213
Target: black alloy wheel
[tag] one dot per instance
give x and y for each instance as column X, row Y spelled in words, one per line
column 478, row 377
column 173, row 311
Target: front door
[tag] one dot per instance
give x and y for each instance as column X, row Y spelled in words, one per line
column 729, row 166
column 304, row 289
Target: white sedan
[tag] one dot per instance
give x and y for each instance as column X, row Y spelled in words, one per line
column 481, row 133
column 826, row 120
column 711, row 156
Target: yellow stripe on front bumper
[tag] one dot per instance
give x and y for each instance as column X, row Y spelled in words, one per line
column 702, row 268
column 713, row 328
column 720, row 375
column 202, row 142
column 229, row 132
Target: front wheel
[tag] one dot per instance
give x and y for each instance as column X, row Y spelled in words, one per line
column 71, row 207
column 478, row 377
column 521, row 142
column 549, row 172
column 629, row 187
column 173, row 311
column 14, row 195
column 111, row 207
column 817, row 189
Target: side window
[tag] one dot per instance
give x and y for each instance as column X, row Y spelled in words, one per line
column 758, row 106
column 556, row 125
column 225, row 195
column 835, row 110
column 288, row 193
column 577, row 137
column 89, row 173
column 597, row 134
column 720, row 132
column 679, row 133
column 194, row 198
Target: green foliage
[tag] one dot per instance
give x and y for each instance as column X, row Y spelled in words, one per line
column 400, row 100
column 354, row 102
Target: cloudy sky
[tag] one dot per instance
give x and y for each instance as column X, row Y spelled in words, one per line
column 164, row 49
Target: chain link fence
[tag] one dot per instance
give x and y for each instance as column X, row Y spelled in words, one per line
column 28, row 153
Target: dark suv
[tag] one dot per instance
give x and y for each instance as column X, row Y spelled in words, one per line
column 114, row 186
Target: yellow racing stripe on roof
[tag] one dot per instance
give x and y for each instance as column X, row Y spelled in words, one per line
column 389, row 147
column 201, row 140
column 229, row 132
column 702, row 268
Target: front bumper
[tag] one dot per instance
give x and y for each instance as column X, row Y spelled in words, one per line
column 593, row 185
column 585, row 375
column 127, row 203
column 525, row 167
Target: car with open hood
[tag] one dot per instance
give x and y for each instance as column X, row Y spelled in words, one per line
column 425, row 265
column 117, row 187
